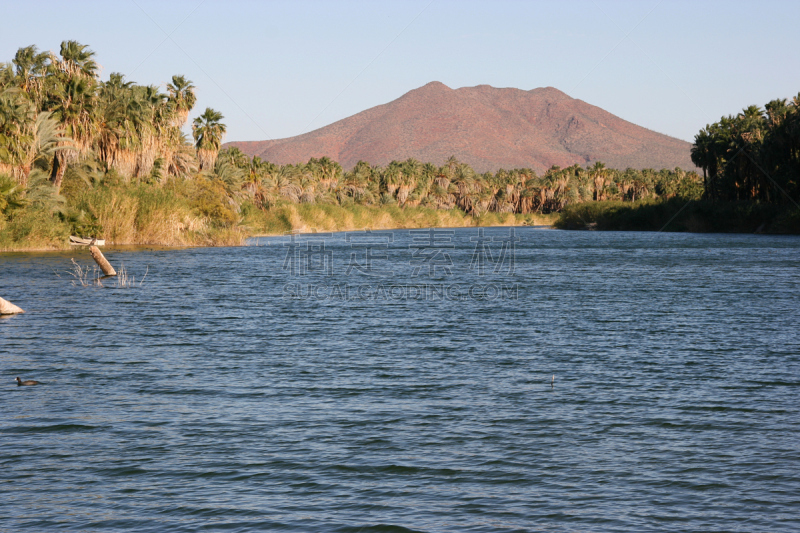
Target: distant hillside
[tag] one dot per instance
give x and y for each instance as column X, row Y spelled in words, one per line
column 483, row 126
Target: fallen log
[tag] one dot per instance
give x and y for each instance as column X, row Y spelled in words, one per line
column 101, row 261
column 7, row 308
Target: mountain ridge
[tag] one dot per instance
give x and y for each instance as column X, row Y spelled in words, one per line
column 487, row 127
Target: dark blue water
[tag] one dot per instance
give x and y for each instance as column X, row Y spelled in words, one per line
column 237, row 390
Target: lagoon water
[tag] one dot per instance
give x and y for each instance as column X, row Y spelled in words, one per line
column 298, row 385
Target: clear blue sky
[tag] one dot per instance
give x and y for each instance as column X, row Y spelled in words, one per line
column 278, row 68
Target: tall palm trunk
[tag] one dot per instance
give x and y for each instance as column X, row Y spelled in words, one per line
column 59, row 168
column 207, row 158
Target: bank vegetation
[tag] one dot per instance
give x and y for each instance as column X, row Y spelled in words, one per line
column 109, row 159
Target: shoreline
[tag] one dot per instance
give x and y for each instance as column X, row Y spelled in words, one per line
column 158, row 246
column 677, row 215
column 285, row 218
column 674, row 216
column 168, row 247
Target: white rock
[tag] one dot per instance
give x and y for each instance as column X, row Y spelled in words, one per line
column 7, row 308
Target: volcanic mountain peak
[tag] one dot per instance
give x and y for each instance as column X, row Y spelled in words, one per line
column 550, row 92
column 431, row 86
column 486, row 127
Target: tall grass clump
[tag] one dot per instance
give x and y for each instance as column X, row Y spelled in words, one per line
column 286, row 216
column 175, row 213
column 31, row 218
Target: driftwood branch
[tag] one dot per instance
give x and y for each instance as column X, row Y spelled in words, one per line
column 101, row 261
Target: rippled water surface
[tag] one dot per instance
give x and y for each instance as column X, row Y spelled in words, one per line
column 237, row 390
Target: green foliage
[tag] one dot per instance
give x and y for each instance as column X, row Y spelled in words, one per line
column 41, row 195
column 754, row 155
column 11, row 196
column 81, row 223
column 35, row 228
column 210, row 199
column 208, row 131
column 677, row 214
column 56, row 108
column 109, row 159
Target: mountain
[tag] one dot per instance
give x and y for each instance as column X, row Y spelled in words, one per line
column 486, row 127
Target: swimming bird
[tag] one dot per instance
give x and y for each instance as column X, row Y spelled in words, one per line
column 27, row 382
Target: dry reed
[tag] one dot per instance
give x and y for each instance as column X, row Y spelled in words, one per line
column 84, row 276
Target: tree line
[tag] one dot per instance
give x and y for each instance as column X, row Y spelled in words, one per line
column 412, row 183
column 59, row 119
column 55, row 112
column 754, row 155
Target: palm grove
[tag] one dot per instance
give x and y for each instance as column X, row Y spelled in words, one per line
column 751, row 180
column 108, row 158
column 58, row 120
column 754, row 155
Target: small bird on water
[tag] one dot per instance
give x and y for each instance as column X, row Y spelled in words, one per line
column 27, row 382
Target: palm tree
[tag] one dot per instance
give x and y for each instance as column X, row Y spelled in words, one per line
column 179, row 155
column 599, row 174
column 152, row 131
column 357, row 183
column 627, row 184
column 124, row 116
column 753, row 126
column 71, row 96
column 181, row 99
column 30, row 68
column 326, row 171
column 77, row 60
column 701, row 153
column 16, row 122
column 452, row 164
column 467, row 188
column 409, row 171
column 391, row 178
column 208, row 132
column 47, row 140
